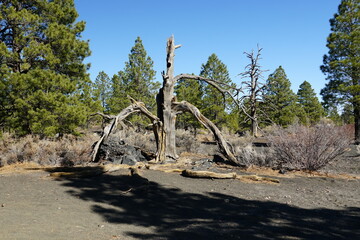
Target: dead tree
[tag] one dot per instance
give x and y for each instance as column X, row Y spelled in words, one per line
column 253, row 88
column 135, row 107
column 167, row 109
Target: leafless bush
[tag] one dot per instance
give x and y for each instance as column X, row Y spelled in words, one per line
column 67, row 151
column 308, row 148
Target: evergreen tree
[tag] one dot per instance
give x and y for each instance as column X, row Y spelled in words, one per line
column 42, row 74
column 101, row 91
column 214, row 105
column 309, row 103
column 347, row 116
column 190, row 91
column 342, row 63
column 136, row 80
column 279, row 100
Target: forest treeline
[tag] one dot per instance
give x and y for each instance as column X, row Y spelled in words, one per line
column 45, row 88
column 277, row 103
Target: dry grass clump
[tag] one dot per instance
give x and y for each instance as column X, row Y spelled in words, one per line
column 246, row 154
column 66, row 151
column 142, row 139
column 239, row 141
column 254, row 156
column 309, row 148
column 186, row 141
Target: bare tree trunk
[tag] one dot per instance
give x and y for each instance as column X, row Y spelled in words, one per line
column 357, row 122
column 168, row 107
column 254, row 123
column 253, row 113
column 164, row 100
column 255, row 88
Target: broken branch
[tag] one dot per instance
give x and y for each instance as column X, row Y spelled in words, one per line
column 133, row 108
column 224, row 147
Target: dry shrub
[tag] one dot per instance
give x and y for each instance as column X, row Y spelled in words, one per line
column 308, row 148
column 239, row 142
column 186, row 141
column 246, row 154
column 249, row 156
column 66, row 151
column 142, row 139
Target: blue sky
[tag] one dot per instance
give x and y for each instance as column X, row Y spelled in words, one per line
column 292, row 34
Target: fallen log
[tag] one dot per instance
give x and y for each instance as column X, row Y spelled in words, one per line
column 257, row 178
column 231, row 175
column 208, row 174
column 79, row 172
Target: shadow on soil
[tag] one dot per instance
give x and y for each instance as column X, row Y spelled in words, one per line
column 174, row 214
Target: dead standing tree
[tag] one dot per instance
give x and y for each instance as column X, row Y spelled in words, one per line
column 168, row 108
column 254, row 89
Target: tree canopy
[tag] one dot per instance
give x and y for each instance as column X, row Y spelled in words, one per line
column 342, row 62
column 136, row 80
column 279, row 100
column 214, row 105
column 42, row 74
column 191, row 91
column 102, row 90
column 310, row 103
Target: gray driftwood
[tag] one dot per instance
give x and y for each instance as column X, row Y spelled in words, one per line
column 208, row 174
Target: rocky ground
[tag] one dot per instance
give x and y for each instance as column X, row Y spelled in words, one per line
column 161, row 205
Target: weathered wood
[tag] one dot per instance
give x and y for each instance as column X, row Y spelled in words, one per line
column 224, row 147
column 164, row 99
column 208, row 174
column 167, row 110
column 134, row 108
column 254, row 88
column 167, row 107
column 256, row 178
column 223, row 88
column 231, row 175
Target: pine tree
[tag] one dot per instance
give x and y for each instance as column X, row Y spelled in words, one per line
column 279, row 100
column 214, row 105
column 42, row 70
column 342, row 63
column 136, row 80
column 347, row 116
column 101, row 90
column 310, row 103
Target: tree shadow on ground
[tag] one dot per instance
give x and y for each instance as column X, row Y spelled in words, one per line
column 174, row 214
